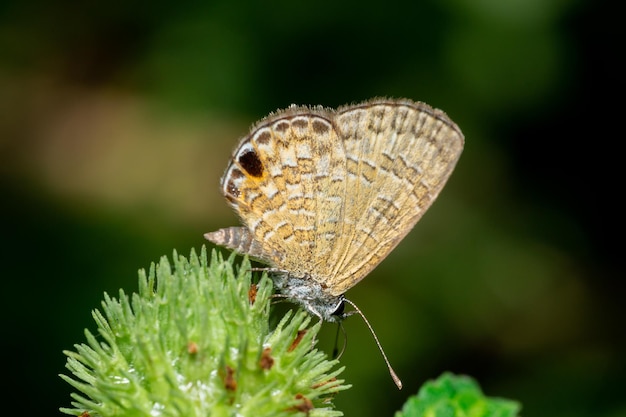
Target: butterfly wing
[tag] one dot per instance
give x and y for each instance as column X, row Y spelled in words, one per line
column 329, row 194
column 399, row 155
column 284, row 181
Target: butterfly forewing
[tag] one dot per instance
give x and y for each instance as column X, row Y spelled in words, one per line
column 399, row 157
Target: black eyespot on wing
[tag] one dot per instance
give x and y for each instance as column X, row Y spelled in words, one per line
column 251, row 163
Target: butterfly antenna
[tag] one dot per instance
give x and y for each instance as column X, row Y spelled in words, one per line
column 391, row 371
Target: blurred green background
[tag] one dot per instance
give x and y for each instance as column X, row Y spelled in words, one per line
column 117, row 119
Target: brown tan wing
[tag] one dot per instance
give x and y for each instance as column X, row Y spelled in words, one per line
column 399, row 155
column 274, row 180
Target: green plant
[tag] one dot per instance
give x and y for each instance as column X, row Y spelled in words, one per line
column 456, row 396
column 195, row 341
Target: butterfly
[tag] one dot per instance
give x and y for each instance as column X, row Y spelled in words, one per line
column 325, row 195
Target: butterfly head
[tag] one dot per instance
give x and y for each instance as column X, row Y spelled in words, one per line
column 313, row 297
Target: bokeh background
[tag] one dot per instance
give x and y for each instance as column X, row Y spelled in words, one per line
column 117, row 119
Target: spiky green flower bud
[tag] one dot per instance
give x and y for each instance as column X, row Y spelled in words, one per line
column 196, row 341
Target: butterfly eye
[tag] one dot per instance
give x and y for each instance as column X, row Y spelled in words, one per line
column 339, row 310
column 251, row 163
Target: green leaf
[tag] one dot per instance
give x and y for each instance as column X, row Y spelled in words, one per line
column 456, row 396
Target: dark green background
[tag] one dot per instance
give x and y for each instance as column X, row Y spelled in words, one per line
column 117, row 119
